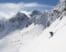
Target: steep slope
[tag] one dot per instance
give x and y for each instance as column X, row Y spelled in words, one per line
column 44, row 43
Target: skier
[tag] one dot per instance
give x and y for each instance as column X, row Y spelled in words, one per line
column 51, row 33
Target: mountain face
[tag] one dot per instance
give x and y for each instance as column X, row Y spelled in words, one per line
column 46, row 18
column 35, row 12
column 19, row 21
column 42, row 19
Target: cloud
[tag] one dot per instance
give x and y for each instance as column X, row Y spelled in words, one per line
column 19, row 6
column 61, row 0
column 12, row 8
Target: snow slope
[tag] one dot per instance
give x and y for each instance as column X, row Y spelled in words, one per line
column 18, row 38
column 45, row 44
column 34, row 39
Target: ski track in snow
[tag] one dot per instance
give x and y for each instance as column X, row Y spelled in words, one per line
column 55, row 44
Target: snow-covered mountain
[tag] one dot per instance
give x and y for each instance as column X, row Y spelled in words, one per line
column 44, row 42
column 34, row 31
column 17, row 22
column 22, row 20
column 32, row 40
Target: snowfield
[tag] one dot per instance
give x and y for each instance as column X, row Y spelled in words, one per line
column 34, row 39
column 43, row 43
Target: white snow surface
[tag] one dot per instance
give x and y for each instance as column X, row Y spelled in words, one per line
column 15, row 40
column 44, row 43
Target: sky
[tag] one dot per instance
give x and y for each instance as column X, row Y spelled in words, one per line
column 47, row 2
